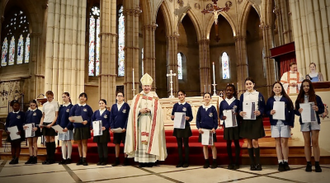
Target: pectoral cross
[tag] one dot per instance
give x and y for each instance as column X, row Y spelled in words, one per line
column 171, row 82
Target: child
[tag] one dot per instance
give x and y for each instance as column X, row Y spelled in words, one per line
column 307, row 94
column 231, row 134
column 119, row 117
column 207, row 118
column 67, row 135
column 185, row 133
column 281, row 129
column 49, row 117
column 82, row 130
column 33, row 115
column 252, row 130
column 15, row 118
column 102, row 141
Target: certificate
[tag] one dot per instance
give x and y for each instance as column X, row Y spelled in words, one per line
column 279, row 108
column 308, row 114
column 58, row 128
column 231, row 120
column 29, row 132
column 13, row 132
column 97, row 128
column 117, row 130
column 207, row 137
column 179, row 120
column 77, row 119
column 249, row 108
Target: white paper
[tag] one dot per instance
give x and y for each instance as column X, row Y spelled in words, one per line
column 13, row 132
column 207, row 137
column 117, row 130
column 308, row 114
column 77, row 119
column 179, row 120
column 29, row 130
column 97, row 128
column 279, row 108
column 231, row 120
column 249, row 108
column 58, row 128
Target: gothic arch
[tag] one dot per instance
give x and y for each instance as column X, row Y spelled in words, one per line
column 245, row 15
column 229, row 20
column 196, row 24
column 167, row 18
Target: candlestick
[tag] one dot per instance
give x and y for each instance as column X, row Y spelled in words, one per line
column 213, row 67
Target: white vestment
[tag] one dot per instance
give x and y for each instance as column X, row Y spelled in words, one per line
column 288, row 78
column 145, row 136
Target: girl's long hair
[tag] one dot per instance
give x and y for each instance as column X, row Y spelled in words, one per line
column 311, row 93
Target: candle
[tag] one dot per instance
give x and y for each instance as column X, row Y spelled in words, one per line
column 133, row 82
column 213, row 66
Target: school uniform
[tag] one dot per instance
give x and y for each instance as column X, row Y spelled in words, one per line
column 104, row 116
column 207, row 118
column 63, row 121
column 280, row 128
column 49, row 109
column 81, row 131
column 16, row 119
column 306, row 127
column 34, row 116
column 183, row 108
column 118, row 119
column 252, row 129
column 230, row 104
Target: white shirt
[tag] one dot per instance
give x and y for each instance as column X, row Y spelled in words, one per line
column 66, row 105
column 49, row 109
column 120, row 105
column 102, row 111
column 229, row 101
column 206, row 107
column 277, row 98
column 252, row 97
column 181, row 103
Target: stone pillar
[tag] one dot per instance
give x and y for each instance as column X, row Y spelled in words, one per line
column 65, row 47
column 108, row 38
column 241, row 63
column 204, row 65
column 132, row 53
column 172, row 63
column 148, row 54
column 310, row 21
column 283, row 21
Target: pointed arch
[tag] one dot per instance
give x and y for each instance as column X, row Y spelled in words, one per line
column 196, row 24
column 229, row 20
column 167, row 18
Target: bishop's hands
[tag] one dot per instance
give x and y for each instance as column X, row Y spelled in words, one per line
column 144, row 110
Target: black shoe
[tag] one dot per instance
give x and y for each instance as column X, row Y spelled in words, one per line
column 252, row 167
column 30, row 160
column 34, row 160
column 206, row 163
column 51, row 162
column 80, row 162
column 105, row 161
column 63, row 162
column 126, row 162
column 180, row 164
column 318, row 168
column 100, row 162
column 185, row 165
column 12, row 161
column 141, row 165
column 286, row 166
column 214, row 164
column 308, row 167
column 281, row 167
column 231, row 166
column 68, row 161
column 258, row 167
column 236, row 166
column 116, row 163
column 84, row 162
column 46, row 162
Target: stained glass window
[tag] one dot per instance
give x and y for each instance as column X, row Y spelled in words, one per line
column 4, row 52
column 94, row 42
column 180, row 75
column 121, row 42
column 15, row 48
column 225, row 66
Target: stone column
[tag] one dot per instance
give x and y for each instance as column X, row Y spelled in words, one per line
column 148, row 54
column 242, row 62
column 108, row 38
column 283, row 21
column 310, row 21
column 65, row 47
column 132, row 53
column 172, row 63
column 204, row 65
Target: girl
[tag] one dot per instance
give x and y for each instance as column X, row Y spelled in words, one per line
column 49, row 117
column 252, row 130
column 207, row 118
column 307, row 94
column 185, row 133
column 231, row 134
column 81, row 130
column 314, row 75
column 281, row 129
column 33, row 115
column 102, row 141
column 67, row 135
column 15, row 118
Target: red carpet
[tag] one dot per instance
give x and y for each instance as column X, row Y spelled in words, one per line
column 196, row 150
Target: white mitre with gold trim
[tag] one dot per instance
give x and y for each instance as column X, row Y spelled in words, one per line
column 146, row 79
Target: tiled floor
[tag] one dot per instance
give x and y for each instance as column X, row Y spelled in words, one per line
column 163, row 173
